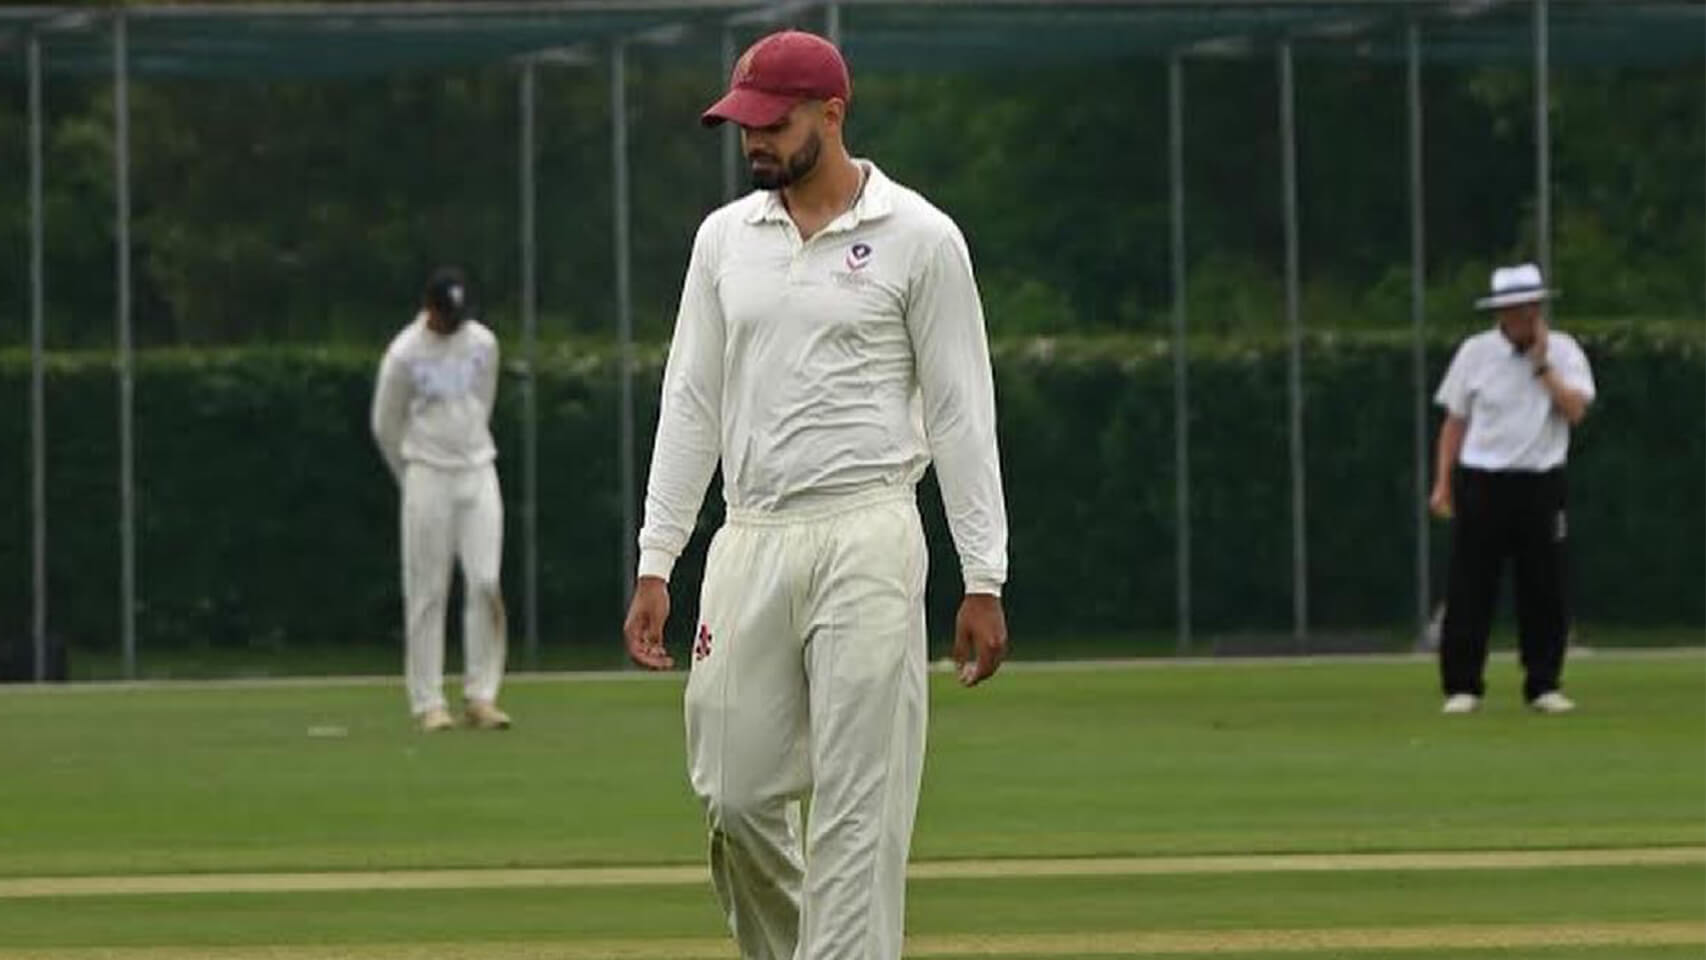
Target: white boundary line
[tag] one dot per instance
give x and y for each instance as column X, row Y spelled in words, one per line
column 1033, row 946
column 668, row 876
column 1020, row 666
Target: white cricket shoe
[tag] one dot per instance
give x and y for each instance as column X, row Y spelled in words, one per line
column 1461, row 703
column 434, row 720
column 1552, row 702
column 485, row 715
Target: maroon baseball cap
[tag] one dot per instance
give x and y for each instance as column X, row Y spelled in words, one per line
column 778, row 72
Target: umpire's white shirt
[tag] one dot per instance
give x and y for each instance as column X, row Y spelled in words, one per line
column 1513, row 423
column 827, row 368
column 433, row 401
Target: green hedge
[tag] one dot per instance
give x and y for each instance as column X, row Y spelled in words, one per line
column 266, row 519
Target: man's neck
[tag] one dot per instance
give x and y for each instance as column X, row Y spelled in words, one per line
column 826, row 194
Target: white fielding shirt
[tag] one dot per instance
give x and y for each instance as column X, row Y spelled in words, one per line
column 820, row 370
column 432, row 403
column 1513, row 423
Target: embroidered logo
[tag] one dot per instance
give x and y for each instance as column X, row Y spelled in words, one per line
column 446, row 378
column 743, row 69
column 702, row 644
column 858, row 256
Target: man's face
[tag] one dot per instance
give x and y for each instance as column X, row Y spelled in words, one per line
column 787, row 152
column 442, row 321
column 1519, row 323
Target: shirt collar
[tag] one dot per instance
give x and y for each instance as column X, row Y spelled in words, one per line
column 875, row 201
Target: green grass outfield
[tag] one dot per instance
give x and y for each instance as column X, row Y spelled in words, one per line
column 1169, row 763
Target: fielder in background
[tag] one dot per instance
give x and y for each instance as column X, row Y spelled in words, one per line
column 431, row 410
column 1511, row 395
column 830, row 344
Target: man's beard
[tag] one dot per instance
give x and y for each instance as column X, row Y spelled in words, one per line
column 792, row 171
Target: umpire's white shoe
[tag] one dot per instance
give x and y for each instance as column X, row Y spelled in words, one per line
column 434, row 720
column 485, row 715
column 1461, row 703
column 1552, row 702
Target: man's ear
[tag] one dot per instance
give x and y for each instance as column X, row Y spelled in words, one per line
column 835, row 113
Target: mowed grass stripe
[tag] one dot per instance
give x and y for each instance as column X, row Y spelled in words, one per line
column 24, row 887
column 1291, row 758
column 1125, row 944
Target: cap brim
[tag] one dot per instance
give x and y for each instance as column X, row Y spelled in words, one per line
column 749, row 108
column 1502, row 300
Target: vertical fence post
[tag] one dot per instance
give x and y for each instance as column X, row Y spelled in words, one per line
column 624, row 309
column 38, row 395
column 1181, row 365
column 1418, row 316
column 1294, row 329
column 126, row 381
column 530, row 360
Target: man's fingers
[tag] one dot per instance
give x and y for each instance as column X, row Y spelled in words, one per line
column 962, row 644
column 642, row 631
column 645, row 644
column 650, row 654
column 1439, row 503
column 991, row 650
column 655, row 658
column 979, row 669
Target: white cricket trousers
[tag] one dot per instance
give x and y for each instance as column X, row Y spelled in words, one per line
column 808, row 681
column 452, row 513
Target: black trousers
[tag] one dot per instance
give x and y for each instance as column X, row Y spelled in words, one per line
column 1517, row 516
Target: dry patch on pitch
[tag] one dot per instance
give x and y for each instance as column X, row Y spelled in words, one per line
column 1128, row 944
column 193, row 883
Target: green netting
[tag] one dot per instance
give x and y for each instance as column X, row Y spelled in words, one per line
column 295, row 171
column 320, row 40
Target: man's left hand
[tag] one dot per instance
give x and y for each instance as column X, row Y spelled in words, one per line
column 980, row 638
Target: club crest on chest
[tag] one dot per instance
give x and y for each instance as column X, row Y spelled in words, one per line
column 859, row 256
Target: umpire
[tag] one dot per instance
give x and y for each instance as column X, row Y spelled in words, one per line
column 1511, row 395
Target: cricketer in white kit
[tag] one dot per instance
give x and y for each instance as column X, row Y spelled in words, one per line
column 432, row 406
column 829, row 346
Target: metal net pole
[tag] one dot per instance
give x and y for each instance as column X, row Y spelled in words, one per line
column 127, row 465
column 1543, row 137
column 530, row 357
column 1181, row 368
column 38, row 417
column 1294, row 329
column 624, row 309
column 730, row 135
column 1418, row 304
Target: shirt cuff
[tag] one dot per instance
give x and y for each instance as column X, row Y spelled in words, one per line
column 656, row 563
column 983, row 584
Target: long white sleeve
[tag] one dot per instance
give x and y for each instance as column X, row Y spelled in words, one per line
column 486, row 384
column 390, row 411
column 686, row 450
column 945, row 319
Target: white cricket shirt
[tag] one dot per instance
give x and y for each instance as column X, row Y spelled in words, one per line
column 433, row 400
column 1513, row 423
column 824, row 369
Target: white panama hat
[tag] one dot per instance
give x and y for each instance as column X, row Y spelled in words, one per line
column 1516, row 285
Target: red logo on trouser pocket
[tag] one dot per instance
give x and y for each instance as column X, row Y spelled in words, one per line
column 702, row 645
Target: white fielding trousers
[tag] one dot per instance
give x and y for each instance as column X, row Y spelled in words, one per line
column 808, row 684
column 452, row 514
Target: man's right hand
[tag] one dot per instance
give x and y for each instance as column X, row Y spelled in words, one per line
column 1537, row 351
column 1440, row 501
column 643, row 629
